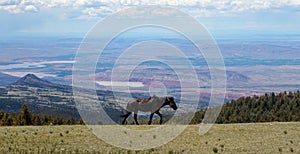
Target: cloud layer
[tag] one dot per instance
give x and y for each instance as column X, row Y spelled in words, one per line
column 97, row 8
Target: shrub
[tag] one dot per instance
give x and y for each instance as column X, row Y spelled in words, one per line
column 215, row 150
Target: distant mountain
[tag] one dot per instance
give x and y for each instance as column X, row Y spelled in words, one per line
column 6, row 79
column 32, row 80
column 44, row 97
column 236, row 77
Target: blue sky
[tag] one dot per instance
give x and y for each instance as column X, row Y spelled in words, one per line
column 67, row 17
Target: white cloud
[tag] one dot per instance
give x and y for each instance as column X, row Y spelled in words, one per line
column 9, row 2
column 104, row 7
column 31, row 8
column 20, row 6
column 95, row 12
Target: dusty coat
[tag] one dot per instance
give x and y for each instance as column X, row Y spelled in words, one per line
column 151, row 105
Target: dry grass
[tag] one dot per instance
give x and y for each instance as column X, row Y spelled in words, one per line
column 229, row 138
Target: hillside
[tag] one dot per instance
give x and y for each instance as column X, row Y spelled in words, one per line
column 47, row 98
column 7, row 79
column 281, row 107
column 274, row 137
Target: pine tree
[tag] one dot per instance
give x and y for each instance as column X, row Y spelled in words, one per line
column 37, row 120
column 25, row 116
column 70, row 121
column 46, row 120
column 9, row 121
column 81, row 122
column 58, row 121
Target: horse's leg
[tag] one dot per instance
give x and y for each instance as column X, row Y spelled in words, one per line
column 135, row 119
column 150, row 120
column 125, row 117
column 160, row 115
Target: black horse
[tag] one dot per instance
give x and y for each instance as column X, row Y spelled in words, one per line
column 152, row 104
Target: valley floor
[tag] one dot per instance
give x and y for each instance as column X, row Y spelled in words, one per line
column 274, row 137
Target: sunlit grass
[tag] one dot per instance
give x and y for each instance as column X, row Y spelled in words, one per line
column 229, row 138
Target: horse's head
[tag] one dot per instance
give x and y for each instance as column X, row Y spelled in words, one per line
column 170, row 101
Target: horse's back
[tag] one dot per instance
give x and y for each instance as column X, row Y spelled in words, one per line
column 151, row 106
column 148, row 105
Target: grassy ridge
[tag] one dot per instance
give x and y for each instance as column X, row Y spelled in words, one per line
column 222, row 138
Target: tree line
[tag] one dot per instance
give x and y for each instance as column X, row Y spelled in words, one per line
column 25, row 118
column 281, row 107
